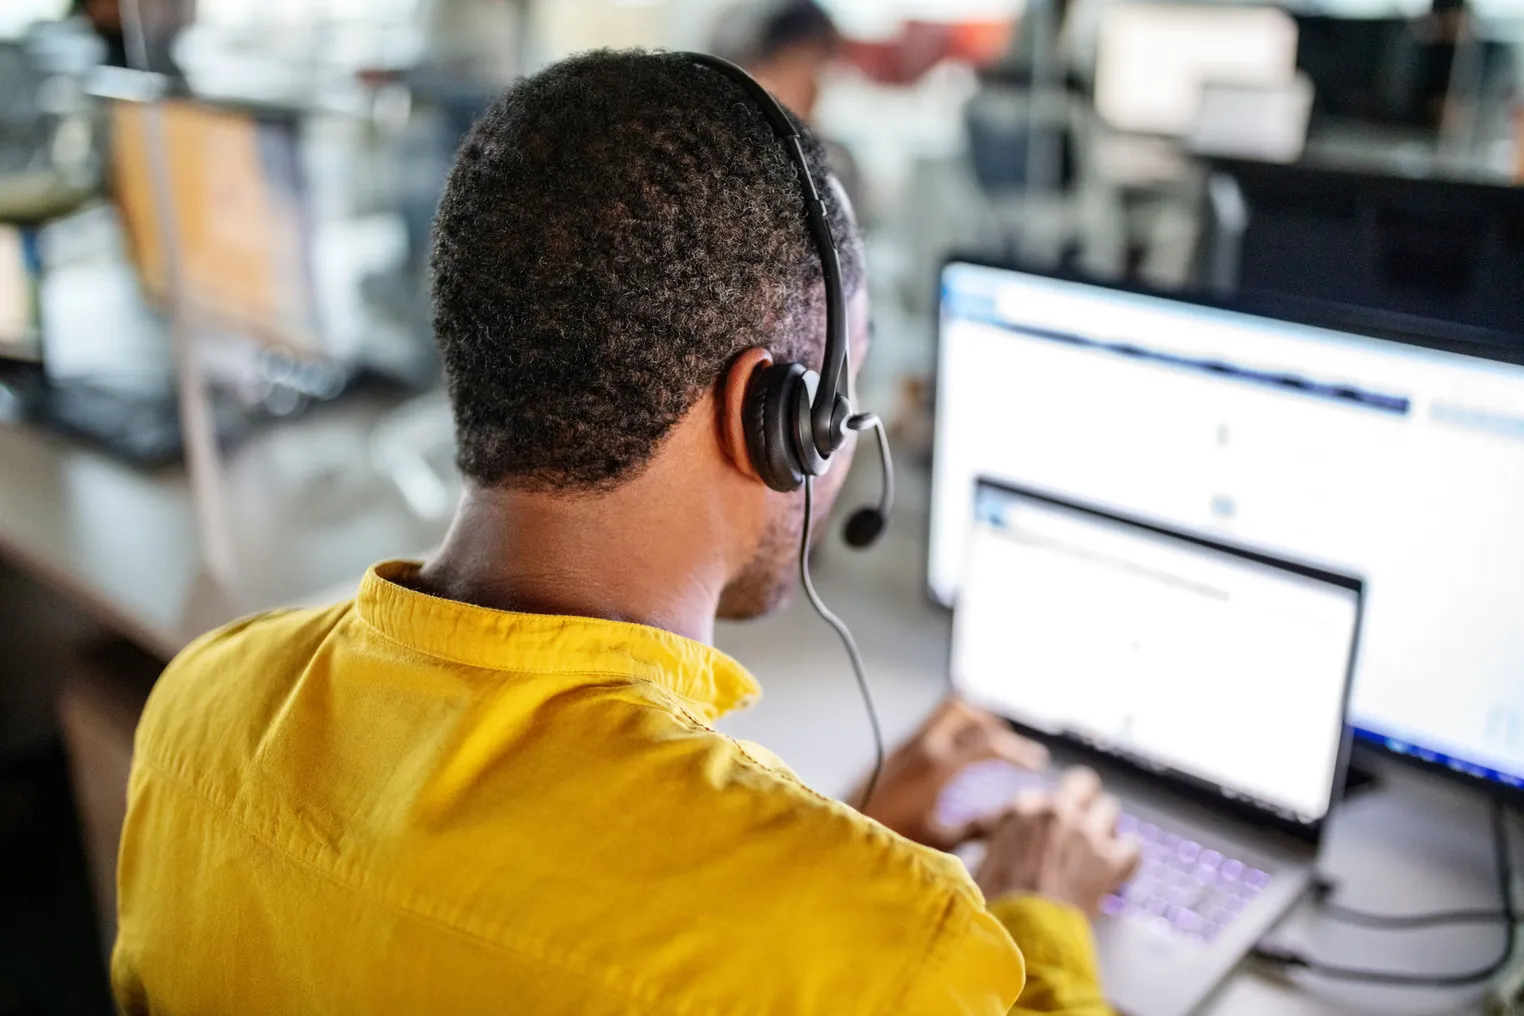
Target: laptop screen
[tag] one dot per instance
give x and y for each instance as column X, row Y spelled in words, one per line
column 1218, row 667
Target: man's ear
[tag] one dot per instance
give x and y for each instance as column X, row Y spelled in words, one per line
column 731, row 405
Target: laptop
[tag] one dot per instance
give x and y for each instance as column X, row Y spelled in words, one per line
column 1206, row 682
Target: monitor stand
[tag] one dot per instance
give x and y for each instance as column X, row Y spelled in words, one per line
column 1359, row 778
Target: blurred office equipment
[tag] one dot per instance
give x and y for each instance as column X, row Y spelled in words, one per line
column 1406, row 74
column 1362, row 68
column 1383, row 248
column 46, row 174
column 239, row 218
column 159, row 23
column 1022, row 126
column 1263, row 122
column 1518, row 143
column 239, row 212
column 1392, row 461
column 17, row 16
column 1142, row 648
column 1168, row 77
column 414, row 446
column 19, row 295
column 1154, row 61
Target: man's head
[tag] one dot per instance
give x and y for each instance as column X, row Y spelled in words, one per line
column 621, row 242
column 785, row 44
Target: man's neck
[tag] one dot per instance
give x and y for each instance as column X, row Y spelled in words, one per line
column 620, row 556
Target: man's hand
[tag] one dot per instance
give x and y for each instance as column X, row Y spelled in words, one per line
column 1063, row 846
column 955, row 735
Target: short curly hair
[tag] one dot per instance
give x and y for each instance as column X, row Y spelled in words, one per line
column 616, row 229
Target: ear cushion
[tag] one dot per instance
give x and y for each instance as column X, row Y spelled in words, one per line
column 767, row 413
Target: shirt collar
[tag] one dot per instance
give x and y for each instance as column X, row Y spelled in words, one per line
column 709, row 681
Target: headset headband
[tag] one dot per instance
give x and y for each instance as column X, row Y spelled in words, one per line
column 830, row 409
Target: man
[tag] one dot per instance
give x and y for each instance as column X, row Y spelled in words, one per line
column 491, row 783
column 785, row 44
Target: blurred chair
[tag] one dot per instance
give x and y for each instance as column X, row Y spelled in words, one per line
column 1023, row 154
column 1004, row 125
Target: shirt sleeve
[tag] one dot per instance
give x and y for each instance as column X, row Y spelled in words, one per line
column 1062, row 975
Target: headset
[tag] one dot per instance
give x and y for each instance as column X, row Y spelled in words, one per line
column 795, row 419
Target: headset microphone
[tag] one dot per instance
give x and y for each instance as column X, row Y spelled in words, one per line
column 867, row 524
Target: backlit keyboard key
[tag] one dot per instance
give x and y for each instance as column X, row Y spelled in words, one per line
column 1182, row 887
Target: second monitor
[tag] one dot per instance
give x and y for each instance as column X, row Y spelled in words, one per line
column 1398, row 464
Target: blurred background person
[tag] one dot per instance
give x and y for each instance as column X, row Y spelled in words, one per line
column 787, row 45
column 790, row 46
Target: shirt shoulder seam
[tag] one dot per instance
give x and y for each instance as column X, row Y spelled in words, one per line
column 936, row 939
column 875, row 831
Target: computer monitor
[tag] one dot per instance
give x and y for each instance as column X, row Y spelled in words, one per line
column 1399, row 464
column 1442, row 250
column 1221, row 668
column 1153, row 61
column 239, row 206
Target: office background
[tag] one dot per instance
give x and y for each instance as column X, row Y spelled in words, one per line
column 218, row 393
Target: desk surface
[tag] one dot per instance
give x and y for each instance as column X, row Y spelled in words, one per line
column 308, row 518
column 306, row 515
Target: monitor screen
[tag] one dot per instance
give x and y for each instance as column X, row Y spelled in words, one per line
column 1399, row 464
column 1184, row 656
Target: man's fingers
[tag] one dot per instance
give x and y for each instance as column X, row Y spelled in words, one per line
column 1028, row 806
column 986, row 826
column 962, row 733
column 1017, row 750
column 979, row 745
column 948, row 727
column 1101, row 823
column 1078, row 789
column 1024, row 821
column 1126, row 858
column 969, row 738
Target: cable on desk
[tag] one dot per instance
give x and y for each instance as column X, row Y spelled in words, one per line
column 1323, row 889
column 1295, row 960
column 1411, row 922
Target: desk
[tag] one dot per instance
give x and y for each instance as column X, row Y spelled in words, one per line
column 122, row 545
column 307, row 515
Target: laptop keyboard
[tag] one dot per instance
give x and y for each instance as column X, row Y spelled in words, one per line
column 1182, row 887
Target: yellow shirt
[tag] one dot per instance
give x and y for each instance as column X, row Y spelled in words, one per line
column 407, row 805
